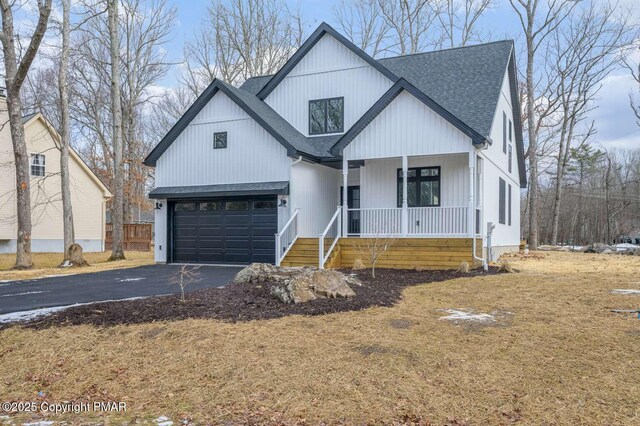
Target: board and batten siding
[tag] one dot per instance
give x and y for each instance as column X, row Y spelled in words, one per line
column 328, row 70
column 407, row 127
column 252, row 154
column 378, row 180
column 315, row 190
column 495, row 166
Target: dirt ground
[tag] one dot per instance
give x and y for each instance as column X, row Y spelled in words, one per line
column 562, row 358
column 47, row 264
column 247, row 302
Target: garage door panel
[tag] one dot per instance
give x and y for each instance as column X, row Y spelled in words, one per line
column 225, row 230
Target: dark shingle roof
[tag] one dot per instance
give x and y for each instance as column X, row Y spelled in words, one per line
column 26, row 118
column 254, row 84
column 466, row 81
column 226, row 189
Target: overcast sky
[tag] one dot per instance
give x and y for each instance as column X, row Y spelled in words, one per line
column 614, row 119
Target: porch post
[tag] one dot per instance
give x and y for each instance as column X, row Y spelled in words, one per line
column 405, row 204
column 345, row 192
column 471, row 217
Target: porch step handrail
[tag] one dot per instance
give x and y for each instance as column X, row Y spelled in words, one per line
column 288, row 235
column 322, row 258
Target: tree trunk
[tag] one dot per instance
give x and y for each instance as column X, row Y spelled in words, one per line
column 15, row 74
column 533, row 148
column 67, row 210
column 117, row 252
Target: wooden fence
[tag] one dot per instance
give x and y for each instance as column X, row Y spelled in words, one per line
column 137, row 236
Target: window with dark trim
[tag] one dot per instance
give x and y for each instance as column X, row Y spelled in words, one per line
column 266, row 204
column 510, row 158
column 509, row 208
column 501, row 200
column 37, row 164
column 423, row 187
column 185, row 207
column 326, row 116
column 510, row 131
column 504, row 132
column 220, row 140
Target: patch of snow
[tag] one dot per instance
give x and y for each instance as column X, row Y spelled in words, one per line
column 132, row 279
column 25, row 293
column 53, row 276
column 625, row 291
column 36, row 313
column 626, row 246
column 465, row 315
column 66, row 264
column 163, row 421
column 40, row 423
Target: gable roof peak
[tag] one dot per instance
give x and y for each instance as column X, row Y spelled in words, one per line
column 308, row 44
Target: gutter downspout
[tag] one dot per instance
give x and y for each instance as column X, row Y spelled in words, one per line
column 485, row 266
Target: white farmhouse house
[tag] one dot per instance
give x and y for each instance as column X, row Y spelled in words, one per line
column 88, row 193
column 303, row 166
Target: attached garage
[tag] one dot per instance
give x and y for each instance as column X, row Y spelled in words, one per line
column 222, row 224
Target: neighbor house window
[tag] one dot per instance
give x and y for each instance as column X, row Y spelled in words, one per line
column 220, row 140
column 37, row 164
column 423, row 187
column 502, row 201
column 504, row 132
column 509, row 207
column 326, row 116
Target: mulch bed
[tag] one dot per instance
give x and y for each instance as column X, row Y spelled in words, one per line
column 246, row 302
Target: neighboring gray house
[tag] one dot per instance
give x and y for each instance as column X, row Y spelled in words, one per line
column 337, row 143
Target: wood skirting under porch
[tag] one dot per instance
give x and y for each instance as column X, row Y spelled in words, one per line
column 403, row 253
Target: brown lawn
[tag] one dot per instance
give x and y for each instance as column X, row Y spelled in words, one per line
column 563, row 359
column 47, row 264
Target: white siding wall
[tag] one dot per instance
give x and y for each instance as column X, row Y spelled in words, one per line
column 496, row 166
column 315, row 190
column 378, row 180
column 160, row 233
column 407, row 127
column 328, row 70
column 252, row 154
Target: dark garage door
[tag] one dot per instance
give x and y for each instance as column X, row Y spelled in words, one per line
column 229, row 230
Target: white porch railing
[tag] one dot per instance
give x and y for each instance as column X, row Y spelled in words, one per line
column 421, row 222
column 286, row 238
column 331, row 232
column 450, row 221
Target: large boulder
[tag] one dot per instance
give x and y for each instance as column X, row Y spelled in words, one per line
column 299, row 285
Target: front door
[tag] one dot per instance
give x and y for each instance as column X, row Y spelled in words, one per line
column 353, row 202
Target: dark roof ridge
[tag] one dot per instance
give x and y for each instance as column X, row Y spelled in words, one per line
column 507, row 40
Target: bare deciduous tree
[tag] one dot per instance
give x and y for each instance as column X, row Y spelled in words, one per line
column 459, row 20
column 411, row 24
column 117, row 251
column 184, row 277
column 372, row 247
column 361, row 22
column 587, row 49
column 537, row 23
column 15, row 73
column 65, row 135
column 240, row 39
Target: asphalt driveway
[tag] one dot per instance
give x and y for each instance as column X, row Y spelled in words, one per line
column 144, row 281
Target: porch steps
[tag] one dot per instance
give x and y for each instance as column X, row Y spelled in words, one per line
column 305, row 253
column 404, row 253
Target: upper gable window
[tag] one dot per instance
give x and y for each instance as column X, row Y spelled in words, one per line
column 220, row 140
column 37, row 164
column 326, row 116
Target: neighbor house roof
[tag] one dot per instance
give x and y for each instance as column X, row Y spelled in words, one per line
column 461, row 84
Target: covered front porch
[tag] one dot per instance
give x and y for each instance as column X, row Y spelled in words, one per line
column 408, row 198
column 427, row 196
